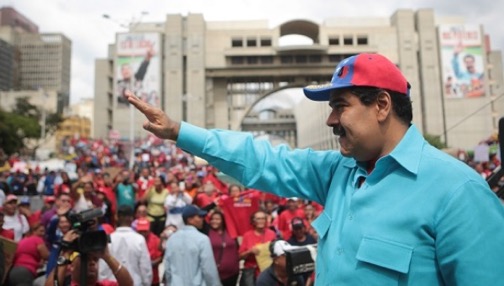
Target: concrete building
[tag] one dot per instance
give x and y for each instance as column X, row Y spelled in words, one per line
column 40, row 60
column 212, row 73
column 12, row 18
column 72, row 126
column 45, row 63
column 7, row 53
column 84, row 109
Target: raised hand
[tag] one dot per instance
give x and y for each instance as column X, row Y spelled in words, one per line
column 158, row 123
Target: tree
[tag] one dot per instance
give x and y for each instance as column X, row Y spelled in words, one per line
column 435, row 140
column 14, row 128
column 22, row 125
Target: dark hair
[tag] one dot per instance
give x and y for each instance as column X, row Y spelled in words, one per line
column 401, row 103
column 252, row 217
column 222, row 218
column 163, row 180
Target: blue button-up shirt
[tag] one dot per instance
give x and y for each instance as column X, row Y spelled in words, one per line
column 421, row 217
column 189, row 259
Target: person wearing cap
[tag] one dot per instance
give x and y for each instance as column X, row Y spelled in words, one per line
column 300, row 236
column 285, row 217
column 395, row 207
column 276, row 274
column 189, row 258
column 13, row 219
column 129, row 248
column 142, row 226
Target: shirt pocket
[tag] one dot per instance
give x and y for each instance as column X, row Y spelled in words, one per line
column 384, row 261
column 321, row 224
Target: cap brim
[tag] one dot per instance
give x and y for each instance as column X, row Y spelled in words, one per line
column 321, row 92
column 202, row 213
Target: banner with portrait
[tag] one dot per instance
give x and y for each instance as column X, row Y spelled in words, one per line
column 462, row 61
column 138, row 67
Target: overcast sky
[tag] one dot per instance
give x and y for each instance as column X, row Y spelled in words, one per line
column 82, row 21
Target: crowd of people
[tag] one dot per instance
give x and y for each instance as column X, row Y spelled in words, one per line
column 169, row 210
column 143, row 206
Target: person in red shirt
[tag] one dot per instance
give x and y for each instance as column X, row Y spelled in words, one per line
column 248, row 249
column 144, row 182
column 6, row 233
column 142, row 226
column 24, row 208
column 285, row 218
column 30, row 252
column 206, row 197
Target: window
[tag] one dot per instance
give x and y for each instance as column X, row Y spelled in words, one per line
column 362, row 40
column 267, row 60
column 286, row 59
column 335, row 58
column 237, row 60
column 236, row 42
column 252, row 60
column 334, row 41
column 315, row 59
column 265, row 42
column 348, row 41
column 251, row 42
column 301, row 59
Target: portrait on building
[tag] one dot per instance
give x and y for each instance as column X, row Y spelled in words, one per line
column 462, row 61
column 137, row 67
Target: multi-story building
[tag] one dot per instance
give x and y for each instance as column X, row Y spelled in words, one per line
column 39, row 60
column 212, row 73
column 12, row 18
column 45, row 63
column 72, row 127
column 7, row 53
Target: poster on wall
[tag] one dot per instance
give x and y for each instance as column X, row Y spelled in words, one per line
column 462, row 62
column 137, row 67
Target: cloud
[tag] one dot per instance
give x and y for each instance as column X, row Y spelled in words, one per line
column 82, row 21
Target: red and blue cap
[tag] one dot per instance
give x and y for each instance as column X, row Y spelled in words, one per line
column 364, row 70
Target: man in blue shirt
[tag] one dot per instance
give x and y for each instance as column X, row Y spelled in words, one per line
column 397, row 211
column 189, row 257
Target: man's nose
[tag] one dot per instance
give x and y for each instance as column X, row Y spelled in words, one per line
column 333, row 118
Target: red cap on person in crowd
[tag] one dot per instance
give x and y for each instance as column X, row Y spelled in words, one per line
column 142, row 224
column 49, row 199
column 365, row 70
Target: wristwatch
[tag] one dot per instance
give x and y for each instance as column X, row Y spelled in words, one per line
column 62, row 260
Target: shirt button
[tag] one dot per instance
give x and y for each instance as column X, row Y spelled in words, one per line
column 350, row 217
column 339, row 250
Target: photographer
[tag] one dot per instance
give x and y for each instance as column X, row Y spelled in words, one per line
column 65, row 265
column 276, row 274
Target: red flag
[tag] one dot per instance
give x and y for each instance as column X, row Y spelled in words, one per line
column 237, row 212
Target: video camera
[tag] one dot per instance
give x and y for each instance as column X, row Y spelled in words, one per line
column 301, row 259
column 89, row 240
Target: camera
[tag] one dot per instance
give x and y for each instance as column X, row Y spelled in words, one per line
column 301, row 259
column 89, row 240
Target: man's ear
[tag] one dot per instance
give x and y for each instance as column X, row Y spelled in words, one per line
column 383, row 106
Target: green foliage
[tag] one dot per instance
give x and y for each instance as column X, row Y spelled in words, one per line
column 435, row 141
column 14, row 128
column 24, row 123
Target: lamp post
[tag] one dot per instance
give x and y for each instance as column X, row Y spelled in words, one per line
column 130, row 25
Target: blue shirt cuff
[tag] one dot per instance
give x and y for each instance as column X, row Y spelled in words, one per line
column 191, row 138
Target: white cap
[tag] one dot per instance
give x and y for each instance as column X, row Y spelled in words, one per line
column 279, row 248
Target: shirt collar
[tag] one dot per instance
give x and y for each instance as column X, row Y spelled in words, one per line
column 409, row 150
column 407, row 153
